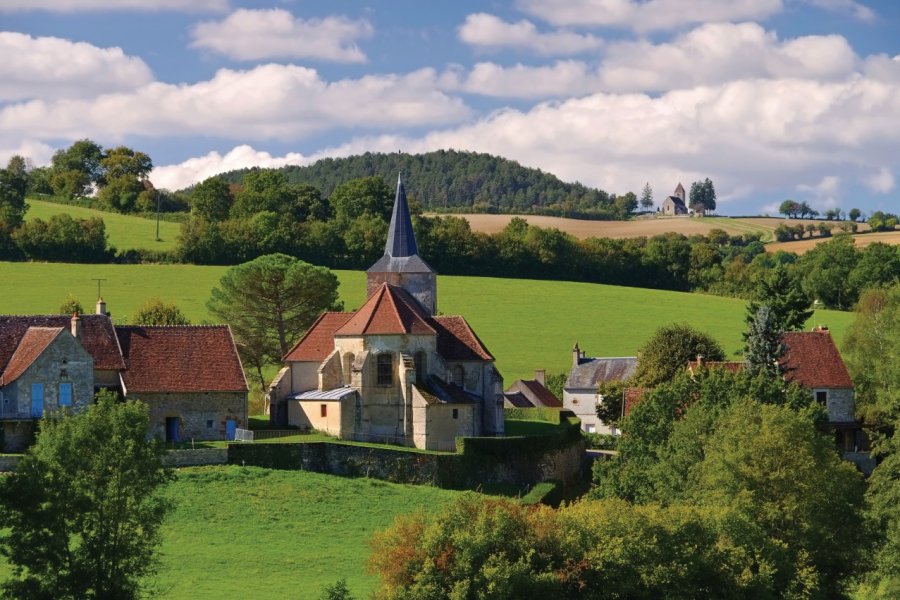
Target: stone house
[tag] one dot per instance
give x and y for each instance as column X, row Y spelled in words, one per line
column 580, row 393
column 530, row 393
column 676, row 204
column 190, row 376
column 52, row 362
column 393, row 370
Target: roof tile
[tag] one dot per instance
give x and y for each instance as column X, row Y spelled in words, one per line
column 457, row 341
column 390, row 310
column 97, row 337
column 318, row 341
column 32, row 344
column 188, row 358
column 813, row 361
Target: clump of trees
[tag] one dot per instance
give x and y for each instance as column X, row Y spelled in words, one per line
column 83, row 510
column 155, row 312
column 702, row 196
column 64, row 239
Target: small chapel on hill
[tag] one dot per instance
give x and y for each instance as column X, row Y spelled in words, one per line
column 394, row 370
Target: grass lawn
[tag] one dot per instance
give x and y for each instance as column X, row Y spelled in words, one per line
column 125, row 231
column 256, row 533
column 525, row 324
column 246, row 532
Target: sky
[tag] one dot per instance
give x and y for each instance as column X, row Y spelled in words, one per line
column 771, row 99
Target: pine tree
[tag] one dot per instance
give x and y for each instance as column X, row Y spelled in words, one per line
column 789, row 305
column 763, row 344
column 647, row 197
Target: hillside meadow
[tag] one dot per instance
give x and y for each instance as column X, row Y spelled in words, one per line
column 125, row 232
column 246, row 532
column 525, row 324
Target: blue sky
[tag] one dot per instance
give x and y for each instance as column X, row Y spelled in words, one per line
column 771, row 99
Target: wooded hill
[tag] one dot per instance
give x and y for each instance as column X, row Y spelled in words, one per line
column 453, row 181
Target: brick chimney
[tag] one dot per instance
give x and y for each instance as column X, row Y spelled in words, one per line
column 76, row 326
column 540, row 375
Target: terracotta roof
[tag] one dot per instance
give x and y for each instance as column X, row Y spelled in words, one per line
column 97, row 337
column 537, row 394
column 32, row 344
column 390, row 310
column 457, row 341
column 813, row 361
column 318, row 342
column 590, row 373
column 189, row 358
column 517, row 400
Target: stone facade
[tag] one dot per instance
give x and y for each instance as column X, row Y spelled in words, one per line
column 201, row 415
column 839, row 403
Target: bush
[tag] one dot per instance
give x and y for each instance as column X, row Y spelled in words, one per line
column 63, row 238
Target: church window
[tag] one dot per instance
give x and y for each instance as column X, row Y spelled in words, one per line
column 385, row 369
column 459, row 376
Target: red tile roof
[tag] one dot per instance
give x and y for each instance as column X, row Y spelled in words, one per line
column 32, row 344
column 318, row 342
column 457, row 341
column 537, row 394
column 190, row 358
column 813, row 361
column 390, row 310
column 97, row 337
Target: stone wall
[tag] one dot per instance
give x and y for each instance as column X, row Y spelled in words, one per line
column 202, row 415
column 840, row 404
column 195, row 458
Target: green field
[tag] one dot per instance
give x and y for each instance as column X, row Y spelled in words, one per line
column 125, row 231
column 526, row 324
column 245, row 532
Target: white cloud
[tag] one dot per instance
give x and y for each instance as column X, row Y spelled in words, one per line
column 266, row 102
column 72, row 6
column 721, row 52
column 49, row 67
column 648, row 15
column 37, row 152
column 489, row 31
column 752, row 136
column 708, row 55
column 825, row 193
column 260, row 34
column 195, row 170
column 564, row 78
column 858, row 10
column 881, row 182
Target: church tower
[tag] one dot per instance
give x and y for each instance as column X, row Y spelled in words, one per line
column 401, row 264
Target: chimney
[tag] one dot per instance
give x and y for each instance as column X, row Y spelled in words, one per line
column 540, row 375
column 76, row 326
column 576, row 355
column 101, row 307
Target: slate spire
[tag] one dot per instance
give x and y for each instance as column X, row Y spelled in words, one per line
column 401, row 240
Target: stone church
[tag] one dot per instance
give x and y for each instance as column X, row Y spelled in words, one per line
column 394, row 370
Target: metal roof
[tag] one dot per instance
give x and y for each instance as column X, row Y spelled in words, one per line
column 335, row 394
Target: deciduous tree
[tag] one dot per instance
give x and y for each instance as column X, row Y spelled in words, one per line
column 82, row 512
column 156, row 312
column 668, row 351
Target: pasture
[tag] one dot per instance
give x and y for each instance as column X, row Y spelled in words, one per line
column 246, row 532
column 525, row 324
column 805, row 245
column 125, row 232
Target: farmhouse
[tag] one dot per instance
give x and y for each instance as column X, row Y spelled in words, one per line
column 191, row 376
column 530, row 393
column 676, row 204
column 392, row 371
column 580, row 391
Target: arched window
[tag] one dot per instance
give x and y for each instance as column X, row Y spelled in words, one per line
column 385, row 365
column 420, row 367
column 459, row 376
column 348, row 368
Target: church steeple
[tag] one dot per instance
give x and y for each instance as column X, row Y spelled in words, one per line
column 401, row 264
column 401, row 238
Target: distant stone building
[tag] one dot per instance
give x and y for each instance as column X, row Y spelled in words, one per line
column 676, row 204
column 393, row 370
column 580, row 394
column 191, row 376
column 530, row 393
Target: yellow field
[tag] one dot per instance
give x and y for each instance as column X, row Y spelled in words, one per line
column 802, row 246
column 685, row 225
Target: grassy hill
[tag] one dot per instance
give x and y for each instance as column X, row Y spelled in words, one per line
column 125, row 231
column 244, row 532
column 525, row 324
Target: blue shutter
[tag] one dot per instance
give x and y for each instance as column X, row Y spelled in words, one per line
column 65, row 394
column 37, row 400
